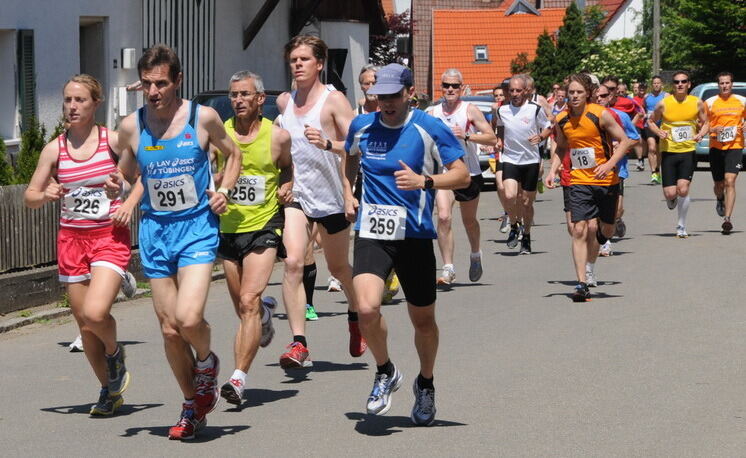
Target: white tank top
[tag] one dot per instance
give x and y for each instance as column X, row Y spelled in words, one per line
column 460, row 118
column 317, row 184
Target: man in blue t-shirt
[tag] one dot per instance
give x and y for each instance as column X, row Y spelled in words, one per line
column 400, row 152
column 651, row 101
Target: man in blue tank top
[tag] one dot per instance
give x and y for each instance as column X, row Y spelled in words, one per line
column 400, row 152
column 167, row 141
column 651, row 100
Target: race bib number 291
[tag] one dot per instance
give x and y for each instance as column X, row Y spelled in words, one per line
column 173, row 193
column 383, row 222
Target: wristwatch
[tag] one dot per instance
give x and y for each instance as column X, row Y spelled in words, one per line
column 328, row 145
column 428, row 182
column 224, row 191
column 467, row 136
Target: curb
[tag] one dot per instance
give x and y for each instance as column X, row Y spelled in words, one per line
column 15, row 323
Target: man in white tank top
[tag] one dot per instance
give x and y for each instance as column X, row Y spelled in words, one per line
column 469, row 125
column 317, row 118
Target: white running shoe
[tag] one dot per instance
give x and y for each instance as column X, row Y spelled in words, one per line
column 449, row 275
column 590, row 279
column 129, row 284
column 681, row 232
column 334, row 285
column 76, row 345
column 605, row 249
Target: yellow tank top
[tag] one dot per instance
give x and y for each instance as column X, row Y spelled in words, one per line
column 253, row 202
column 680, row 121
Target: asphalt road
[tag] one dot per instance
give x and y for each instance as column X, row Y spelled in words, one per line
column 652, row 366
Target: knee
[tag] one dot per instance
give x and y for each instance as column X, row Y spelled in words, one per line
column 340, row 269
column 189, row 322
column 579, row 231
column 95, row 317
column 294, row 265
column 170, row 333
column 367, row 312
column 444, row 219
column 730, row 182
column 248, row 304
column 425, row 325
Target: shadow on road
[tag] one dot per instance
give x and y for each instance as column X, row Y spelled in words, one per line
column 206, row 435
column 123, row 342
column 575, row 282
column 444, row 288
column 373, row 425
column 513, row 254
column 126, row 409
column 670, row 235
column 298, row 375
column 258, row 397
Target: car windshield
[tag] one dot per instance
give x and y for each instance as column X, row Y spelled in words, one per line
column 714, row 91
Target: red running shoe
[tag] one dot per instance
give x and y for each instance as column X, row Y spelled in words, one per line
column 358, row 345
column 188, row 424
column 296, row 357
column 206, row 393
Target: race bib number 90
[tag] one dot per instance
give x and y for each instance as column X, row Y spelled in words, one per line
column 583, row 158
column 728, row 134
column 249, row 190
column 682, row 134
column 383, row 222
column 173, row 193
column 87, row 203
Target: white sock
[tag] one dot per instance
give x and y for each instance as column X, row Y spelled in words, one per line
column 445, row 266
column 238, row 374
column 683, row 208
column 590, row 266
column 207, row 363
column 476, row 255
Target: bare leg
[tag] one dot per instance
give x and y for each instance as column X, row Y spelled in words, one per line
column 369, row 289
column 295, row 238
column 426, row 336
column 471, row 223
column 337, row 251
column 444, row 203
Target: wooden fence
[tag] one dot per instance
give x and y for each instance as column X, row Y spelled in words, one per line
column 28, row 237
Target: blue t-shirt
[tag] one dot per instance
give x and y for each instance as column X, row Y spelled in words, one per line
column 651, row 101
column 422, row 142
column 631, row 132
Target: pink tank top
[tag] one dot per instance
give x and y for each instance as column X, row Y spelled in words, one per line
column 85, row 205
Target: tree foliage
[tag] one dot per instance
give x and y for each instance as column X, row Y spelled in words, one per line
column 519, row 64
column 382, row 49
column 6, row 171
column 32, row 142
column 624, row 58
column 544, row 68
column 572, row 41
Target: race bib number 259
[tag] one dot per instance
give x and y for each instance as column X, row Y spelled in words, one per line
column 383, row 222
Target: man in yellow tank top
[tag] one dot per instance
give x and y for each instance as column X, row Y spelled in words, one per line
column 251, row 228
column 726, row 112
column 683, row 124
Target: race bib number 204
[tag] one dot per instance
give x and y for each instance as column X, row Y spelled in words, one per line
column 383, row 222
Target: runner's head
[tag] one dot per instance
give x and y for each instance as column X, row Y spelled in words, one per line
column 160, row 73
column 612, row 84
column 621, row 90
column 246, row 93
column 560, row 96
column 498, row 94
column 725, row 83
column 518, row 89
column 394, row 90
column 555, row 88
column 579, row 91
column 367, row 78
column 602, row 96
column 681, row 83
column 529, row 84
column 641, row 89
column 306, row 55
column 451, row 84
column 81, row 96
column 656, row 84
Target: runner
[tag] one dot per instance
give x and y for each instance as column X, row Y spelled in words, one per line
column 624, row 104
column 544, row 149
column 526, row 126
column 642, row 148
column 92, row 252
column 169, row 139
column 471, row 128
column 680, row 115
column 317, row 119
column 400, row 151
column 251, row 228
column 495, row 165
column 726, row 112
column 651, row 101
column 582, row 132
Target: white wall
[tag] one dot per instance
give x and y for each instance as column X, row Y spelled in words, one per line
column 352, row 36
column 402, row 5
column 624, row 25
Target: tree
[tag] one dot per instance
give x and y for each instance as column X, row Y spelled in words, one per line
column 572, row 42
column 593, row 17
column 32, row 142
column 382, row 49
column 519, row 64
column 544, row 68
column 624, row 58
column 6, row 171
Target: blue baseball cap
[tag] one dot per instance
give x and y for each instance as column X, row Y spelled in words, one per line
column 391, row 79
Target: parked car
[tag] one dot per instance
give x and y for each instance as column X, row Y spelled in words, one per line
column 704, row 92
column 484, row 103
column 221, row 103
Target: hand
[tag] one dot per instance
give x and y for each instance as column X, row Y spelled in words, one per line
column 458, row 132
column 218, row 202
column 602, row 170
column 549, row 180
column 54, row 190
column 351, row 206
column 717, row 129
column 315, row 137
column 113, row 185
column 535, row 139
column 285, row 193
column 123, row 215
column 697, row 137
column 662, row 134
column 407, row 180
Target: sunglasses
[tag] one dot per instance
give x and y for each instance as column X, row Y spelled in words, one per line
column 453, row 85
column 611, row 88
column 603, row 96
column 680, row 81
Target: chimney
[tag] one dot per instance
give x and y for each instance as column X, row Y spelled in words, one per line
column 538, row 4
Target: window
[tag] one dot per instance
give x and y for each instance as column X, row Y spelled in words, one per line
column 480, row 53
column 26, row 77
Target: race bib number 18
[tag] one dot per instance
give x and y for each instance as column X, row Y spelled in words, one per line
column 383, row 222
column 173, row 193
column 728, row 134
column 681, row 134
column 249, row 190
column 583, row 158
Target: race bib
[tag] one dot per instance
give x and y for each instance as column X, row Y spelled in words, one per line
column 583, row 158
column 87, row 203
column 728, row 134
column 383, row 222
column 249, row 190
column 682, row 134
column 173, row 193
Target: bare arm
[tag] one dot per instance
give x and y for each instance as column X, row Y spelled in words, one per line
column 218, row 137
column 655, row 119
column 704, row 122
column 283, row 159
column 43, row 187
column 609, row 124
column 455, row 177
column 342, row 114
column 486, row 135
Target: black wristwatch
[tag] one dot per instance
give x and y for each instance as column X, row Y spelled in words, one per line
column 328, row 145
column 466, row 137
column 428, row 182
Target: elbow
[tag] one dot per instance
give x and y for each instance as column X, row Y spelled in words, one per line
column 465, row 179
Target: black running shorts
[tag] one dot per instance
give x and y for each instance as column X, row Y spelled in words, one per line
column 724, row 161
column 526, row 174
column 470, row 192
column 677, row 166
column 590, row 201
column 332, row 223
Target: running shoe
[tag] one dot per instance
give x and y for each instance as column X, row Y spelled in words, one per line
column 681, row 232
column 334, row 285
column 106, row 405
column 311, row 313
column 188, row 425
column 449, row 275
column 129, row 284
column 232, row 391
column 391, row 288
column 620, row 229
column 525, row 245
column 296, row 357
column 581, row 293
column 269, row 304
column 505, row 223
column 475, row 266
column 379, row 401
column 358, row 345
column 727, row 226
column 640, row 166
column 206, row 392
column 672, row 202
column 590, row 278
column 513, row 236
column 655, row 178
column 118, row 377
column 720, row 207
column 423, row 412
column 605, row 249
column 76, row 345
column 540, row 186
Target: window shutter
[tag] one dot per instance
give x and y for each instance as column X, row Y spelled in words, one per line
column 26, row 77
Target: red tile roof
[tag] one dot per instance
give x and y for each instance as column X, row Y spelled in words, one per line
column 456, row 32
column 388, row 7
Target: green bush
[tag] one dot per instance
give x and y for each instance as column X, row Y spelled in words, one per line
column 32, row 142
column 6, row 171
